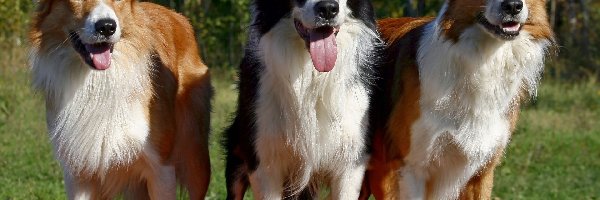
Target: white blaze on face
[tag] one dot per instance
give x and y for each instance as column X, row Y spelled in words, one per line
column 495, row 15
column 100, row 45
column 306, row 13
column 101, row 11
column 320, row 38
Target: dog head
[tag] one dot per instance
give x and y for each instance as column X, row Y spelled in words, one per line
column 319, row 21
column 502, row 19
column 92, row 27
column 320, row 14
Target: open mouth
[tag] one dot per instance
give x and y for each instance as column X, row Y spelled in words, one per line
column 506, row 30
column 321, row 43
column 98, row 55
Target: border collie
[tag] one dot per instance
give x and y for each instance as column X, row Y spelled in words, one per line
column 303, row 99
column 127, row 98
column 451, row 96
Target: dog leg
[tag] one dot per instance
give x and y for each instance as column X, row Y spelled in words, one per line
column 194, row 173
column 191, row 154
column 163, row 183
column 78, row 189
column 480, row 186
column 411, row 184
column 348, row 185
column 382, row 177
column 236, row 177
column 382, row 182
column 136, row 191
column 446, row 181
column 267, row 183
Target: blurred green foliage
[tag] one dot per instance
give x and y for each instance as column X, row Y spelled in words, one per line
column 221, row 27
column 14, row 17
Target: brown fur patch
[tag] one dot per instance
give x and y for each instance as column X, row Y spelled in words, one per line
column 179, row 108
column 537, row 24
column 460, row 15
column 480, row 186
column 393, row 29
column 391, row 142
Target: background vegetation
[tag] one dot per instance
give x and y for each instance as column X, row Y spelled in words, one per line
column 554, row 154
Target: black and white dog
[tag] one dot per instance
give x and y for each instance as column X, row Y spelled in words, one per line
column 303, row 99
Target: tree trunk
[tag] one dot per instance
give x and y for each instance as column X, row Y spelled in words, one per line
column 553, row 14
column 421, row 8
column 585, row 28
column 572, row 15
column 409, row 9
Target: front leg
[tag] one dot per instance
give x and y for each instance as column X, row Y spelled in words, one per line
column 236, row 177
column 79, row 189
column 267, row 182
column 480, row 185
column 162, row 184
column 412, row 183
column 451, row 175
column 347, row 185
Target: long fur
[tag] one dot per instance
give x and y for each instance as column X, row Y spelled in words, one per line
column 136, row 128
column 314, row 111
column 454, row 92
column 301, row 126
column 84, row 104
column 466, row 93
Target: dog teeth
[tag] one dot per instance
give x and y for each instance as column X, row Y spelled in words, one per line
column 514, row 28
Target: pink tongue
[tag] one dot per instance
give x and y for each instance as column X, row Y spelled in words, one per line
column 323, row 49
column 101, row 55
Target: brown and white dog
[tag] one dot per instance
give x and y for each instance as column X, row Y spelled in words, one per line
column 450, row 96
column 127, row 98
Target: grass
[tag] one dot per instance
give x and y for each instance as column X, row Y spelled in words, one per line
column 554, row 154
column 27, row 167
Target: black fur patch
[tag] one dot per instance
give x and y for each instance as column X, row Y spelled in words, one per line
column 239, row 138
column 300, row 2
column 269, row 12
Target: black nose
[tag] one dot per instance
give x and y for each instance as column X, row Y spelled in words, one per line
column 106, row 27
column 327, row 9
column 512, row 7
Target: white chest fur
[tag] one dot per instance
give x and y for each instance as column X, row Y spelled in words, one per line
column 309, row 121
column 467, row 90
column 96, row 119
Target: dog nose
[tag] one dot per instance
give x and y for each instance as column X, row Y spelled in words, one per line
column 106, row 27
column 327, row 9
column 512, row 7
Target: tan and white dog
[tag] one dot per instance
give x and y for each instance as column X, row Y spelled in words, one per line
column 127, row 98
column 450, row 96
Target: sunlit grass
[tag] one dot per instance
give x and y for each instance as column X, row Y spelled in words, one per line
column 554, row 154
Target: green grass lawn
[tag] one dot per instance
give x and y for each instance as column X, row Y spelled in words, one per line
column 554, row 154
